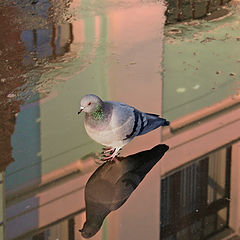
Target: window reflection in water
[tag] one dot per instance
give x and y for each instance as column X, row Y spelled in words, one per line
column 195, row 199
column 47, row 43
column 62, row 230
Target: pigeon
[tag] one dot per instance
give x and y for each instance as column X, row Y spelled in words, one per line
column 111, row 185
column 115, row 124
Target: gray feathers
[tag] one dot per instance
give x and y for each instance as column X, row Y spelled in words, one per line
column 152, row 122
column 146, row 122
column 120, row 123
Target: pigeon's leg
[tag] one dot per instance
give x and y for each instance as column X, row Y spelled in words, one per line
column 112, row 155
column 108, row 150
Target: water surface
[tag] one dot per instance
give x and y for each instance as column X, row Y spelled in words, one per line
column 54, row 52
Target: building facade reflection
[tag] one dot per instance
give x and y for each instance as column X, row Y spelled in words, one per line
column 10, row 78
column 15, row 48
column 198, row 195
column 58, row 169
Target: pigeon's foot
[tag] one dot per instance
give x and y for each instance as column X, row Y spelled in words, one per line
column 109, row 154
column 108, row 150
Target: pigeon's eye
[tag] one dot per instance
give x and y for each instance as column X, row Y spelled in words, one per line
column 89, row 103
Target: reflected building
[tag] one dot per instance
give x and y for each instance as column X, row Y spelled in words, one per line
column 39, row 44
column 46, row 175
column 10, row 78
column 199, row 196
column 20, row 124
column 52, row 173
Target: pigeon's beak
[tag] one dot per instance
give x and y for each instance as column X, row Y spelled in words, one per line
column 81, row 108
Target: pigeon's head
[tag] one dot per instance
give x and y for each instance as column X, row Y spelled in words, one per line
column 89, row 103
column 89, row 230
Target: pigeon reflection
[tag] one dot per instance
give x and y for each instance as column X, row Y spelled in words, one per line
column 112, row 183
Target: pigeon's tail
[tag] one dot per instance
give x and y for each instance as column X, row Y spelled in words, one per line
column 153, row 122
column 162, row 121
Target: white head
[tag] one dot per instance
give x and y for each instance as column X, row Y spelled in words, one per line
column 89, row 103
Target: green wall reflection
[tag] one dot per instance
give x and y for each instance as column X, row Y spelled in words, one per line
column 51, row 124
column 201, row 61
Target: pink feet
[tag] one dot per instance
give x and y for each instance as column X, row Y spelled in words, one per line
column 108, row 154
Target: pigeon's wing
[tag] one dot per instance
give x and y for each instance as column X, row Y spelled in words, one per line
column 150, row 122
column 123, row 122
column 133, row 122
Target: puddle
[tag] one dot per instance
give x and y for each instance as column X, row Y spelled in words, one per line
column 137, row 52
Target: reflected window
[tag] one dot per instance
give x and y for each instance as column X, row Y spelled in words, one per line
column 62, row 230
column 195, row 199
column 47, row 43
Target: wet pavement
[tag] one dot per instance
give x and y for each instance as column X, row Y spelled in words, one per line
column 144, row 53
